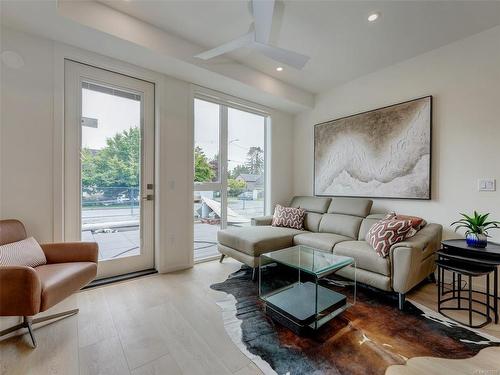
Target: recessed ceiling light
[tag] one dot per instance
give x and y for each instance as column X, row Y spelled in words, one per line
column 279, row 68
column 373, row 17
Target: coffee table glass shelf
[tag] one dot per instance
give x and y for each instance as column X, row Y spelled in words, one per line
column 290, row 286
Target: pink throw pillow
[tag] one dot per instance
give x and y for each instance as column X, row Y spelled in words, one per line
column 288, row 217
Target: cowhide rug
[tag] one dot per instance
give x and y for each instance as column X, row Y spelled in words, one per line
column 366, row 339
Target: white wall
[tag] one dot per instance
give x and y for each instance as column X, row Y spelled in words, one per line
column 464, row 78
column 28, row 129
column 26, row 119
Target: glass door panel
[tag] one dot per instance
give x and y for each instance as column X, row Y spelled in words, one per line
column 208, row 215
column 206, row 141
column 245, row 167
column 207, row 221
column 110, row 170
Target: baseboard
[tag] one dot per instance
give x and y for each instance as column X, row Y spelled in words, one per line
column 179, row 267
column 114, row 279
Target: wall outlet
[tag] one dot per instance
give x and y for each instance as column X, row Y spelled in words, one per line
column 486, row 184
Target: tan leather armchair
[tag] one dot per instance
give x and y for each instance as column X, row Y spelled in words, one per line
column 27, row 291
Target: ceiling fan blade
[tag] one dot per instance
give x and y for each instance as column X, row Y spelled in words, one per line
column 284, row 56
column 227, row 47
column 263, row 19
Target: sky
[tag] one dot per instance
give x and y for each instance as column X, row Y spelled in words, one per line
column 244, row 131
column 115, row 114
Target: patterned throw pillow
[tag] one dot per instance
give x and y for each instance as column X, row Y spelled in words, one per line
column 417, row 223
column 288, row 217
column 387, row 232
column 26, row 252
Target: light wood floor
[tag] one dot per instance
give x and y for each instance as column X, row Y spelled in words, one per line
column 170, row 324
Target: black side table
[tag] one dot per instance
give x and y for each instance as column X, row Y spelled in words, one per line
column 464, row 261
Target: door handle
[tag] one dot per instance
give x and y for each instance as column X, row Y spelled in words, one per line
column 148, row 197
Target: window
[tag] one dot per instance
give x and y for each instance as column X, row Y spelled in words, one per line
column 229, row 170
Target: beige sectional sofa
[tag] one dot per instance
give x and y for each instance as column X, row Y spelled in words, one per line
column 340, row 225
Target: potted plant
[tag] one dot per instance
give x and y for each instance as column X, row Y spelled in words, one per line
column 476, row 234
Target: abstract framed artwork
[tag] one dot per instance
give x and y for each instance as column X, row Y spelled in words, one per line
column 383, row 153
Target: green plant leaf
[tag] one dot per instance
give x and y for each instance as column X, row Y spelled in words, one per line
column 462, row 226
column 475, row 223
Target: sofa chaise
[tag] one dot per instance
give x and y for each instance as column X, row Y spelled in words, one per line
column 339, row 225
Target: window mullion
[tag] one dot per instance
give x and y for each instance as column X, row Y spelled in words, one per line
column 223, row 147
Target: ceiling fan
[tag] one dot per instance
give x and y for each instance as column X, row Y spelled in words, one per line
column 258, row 39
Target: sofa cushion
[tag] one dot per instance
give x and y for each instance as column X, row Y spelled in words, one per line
column 311, row 221
column 60, row 280
column 322, row 241
column 350, row 206
column 345, row 225
column 364, row 255
column 257, row 240
column 311, row 204
column 367, row 223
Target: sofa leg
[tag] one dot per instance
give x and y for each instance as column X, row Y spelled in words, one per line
column 222, row 256
column 28, row 323
column 432, row 278
column 254, row 273
column 401, row 300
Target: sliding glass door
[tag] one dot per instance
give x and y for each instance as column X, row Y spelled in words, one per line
column 245, row 166
column 229, row 170
column 208, row 217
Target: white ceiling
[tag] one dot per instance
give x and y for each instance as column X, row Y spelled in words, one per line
column 335, row 34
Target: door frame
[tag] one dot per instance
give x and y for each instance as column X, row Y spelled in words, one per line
column 225, row 102
column 76, row 73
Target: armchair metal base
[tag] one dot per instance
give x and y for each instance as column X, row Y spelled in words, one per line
column 28, row 323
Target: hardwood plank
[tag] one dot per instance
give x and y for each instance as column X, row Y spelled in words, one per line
column 142, row 336
column 251, row 369
column 192, row 354
column 161, row 366
column 94, row 319
column 103, row 358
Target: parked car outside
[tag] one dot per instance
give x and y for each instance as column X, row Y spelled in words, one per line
column 246, row 196
column 122, row 198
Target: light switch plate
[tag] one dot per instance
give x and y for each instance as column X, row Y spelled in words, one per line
column 486, row 184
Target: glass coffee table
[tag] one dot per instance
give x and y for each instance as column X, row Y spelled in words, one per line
column 290, row 286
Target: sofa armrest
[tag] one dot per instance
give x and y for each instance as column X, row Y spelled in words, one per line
column 407, row 257
column 262, row 220
column 20, row 291
column 66, row 252
column 431, row 233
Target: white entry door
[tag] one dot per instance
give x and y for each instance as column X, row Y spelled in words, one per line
column 109, row 166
